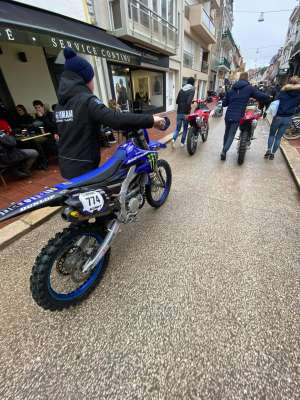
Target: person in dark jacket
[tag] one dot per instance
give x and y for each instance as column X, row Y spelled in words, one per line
column 44, row 116
column 184, row 103
column 23, row 119
column 289, row 100
column 20, row 160
column 236, row 100
column 80, row 114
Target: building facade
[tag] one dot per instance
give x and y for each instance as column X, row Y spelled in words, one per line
column 227, row 62
column 152, row 29
column 142, row 51
column 198, row 36
column 290, row 56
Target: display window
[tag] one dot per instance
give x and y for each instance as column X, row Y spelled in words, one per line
column 138, row 90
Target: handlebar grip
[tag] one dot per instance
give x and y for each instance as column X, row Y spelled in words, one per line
column 167, row 124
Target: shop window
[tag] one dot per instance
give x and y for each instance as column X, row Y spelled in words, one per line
column 122, row 87
column 148, row 89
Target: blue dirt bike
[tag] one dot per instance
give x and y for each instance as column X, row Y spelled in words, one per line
column 71, row 265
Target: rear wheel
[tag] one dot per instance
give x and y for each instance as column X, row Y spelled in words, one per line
column 158, row 190
column 57, row 280
column 242, row 147
column 192, row 140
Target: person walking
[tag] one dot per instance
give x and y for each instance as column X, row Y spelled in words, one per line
column 184, row 102
column 80, row 114
column 236, row 100
column 289, row 100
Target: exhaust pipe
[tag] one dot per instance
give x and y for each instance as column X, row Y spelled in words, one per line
column 112, row 233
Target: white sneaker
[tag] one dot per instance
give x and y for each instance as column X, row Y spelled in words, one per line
column 173, row 143
column 182, row 144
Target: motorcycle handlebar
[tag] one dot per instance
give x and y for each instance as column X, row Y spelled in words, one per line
column 167, row 124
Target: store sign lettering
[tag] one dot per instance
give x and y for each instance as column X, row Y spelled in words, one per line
column 40, row 39
column 9, row 34
column 90, row 49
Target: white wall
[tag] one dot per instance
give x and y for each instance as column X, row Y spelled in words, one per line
column 27, row 81
column 70, row 8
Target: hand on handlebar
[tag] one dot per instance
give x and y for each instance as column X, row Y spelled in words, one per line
column 159, row 122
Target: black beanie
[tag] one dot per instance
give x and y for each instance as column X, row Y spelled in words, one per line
column 78, row 65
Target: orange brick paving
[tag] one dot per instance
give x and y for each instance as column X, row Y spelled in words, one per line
column 17, row 190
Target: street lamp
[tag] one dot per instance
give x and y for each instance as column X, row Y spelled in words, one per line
column 261, row 17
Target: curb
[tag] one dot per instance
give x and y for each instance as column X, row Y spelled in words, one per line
column 292, row 158
column 17, row 229
column 28, row 222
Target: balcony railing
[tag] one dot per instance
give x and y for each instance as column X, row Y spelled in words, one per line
column 188, row 59
column 208, row 22
column 151, row 25
column 225, row 62
column 204, row 67
column 228, row 35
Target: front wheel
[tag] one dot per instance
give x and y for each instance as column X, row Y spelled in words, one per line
column 204, row 132
column 242, row 147
column 192, row 140
column 57, row 280
column 159, row 187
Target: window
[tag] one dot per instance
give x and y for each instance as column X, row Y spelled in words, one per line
column 115, row 10
column 187, row 12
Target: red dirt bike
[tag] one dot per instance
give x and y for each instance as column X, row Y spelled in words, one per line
column 248, row 125
column 198, row 125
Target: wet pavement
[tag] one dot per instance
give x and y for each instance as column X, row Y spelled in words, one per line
column 200, row 300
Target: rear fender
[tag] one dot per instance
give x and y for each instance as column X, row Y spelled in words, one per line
column 50, row 197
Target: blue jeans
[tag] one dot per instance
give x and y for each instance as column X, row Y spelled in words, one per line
column 230, row 131
column 277, row 130
column 180, row 119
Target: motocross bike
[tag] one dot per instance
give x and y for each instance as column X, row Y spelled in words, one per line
column 248, row 125
column 71, row 265
column 218, row 111
column 198, row 125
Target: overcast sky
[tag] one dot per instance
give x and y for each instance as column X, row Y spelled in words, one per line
column 250, row 34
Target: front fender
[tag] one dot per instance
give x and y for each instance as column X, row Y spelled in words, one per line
column 154, row 145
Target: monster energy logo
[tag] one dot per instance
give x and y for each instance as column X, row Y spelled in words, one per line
column 152, row 158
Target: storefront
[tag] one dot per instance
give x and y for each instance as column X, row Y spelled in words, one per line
column 140, row 88
column 31, row 53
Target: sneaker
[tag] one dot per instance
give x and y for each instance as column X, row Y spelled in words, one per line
column 271, row 156
column 223, row 156
column 182, row 144
column 112, row 141
column 267, row 154
column 173, row 143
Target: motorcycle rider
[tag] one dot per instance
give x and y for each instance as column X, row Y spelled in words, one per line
column 79, row 115
column 236, row 100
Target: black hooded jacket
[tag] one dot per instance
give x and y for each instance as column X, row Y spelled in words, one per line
column 79, row 116
column 237, row 99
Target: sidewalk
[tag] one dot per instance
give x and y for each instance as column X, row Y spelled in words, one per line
column 17, row 190
column 291, row 152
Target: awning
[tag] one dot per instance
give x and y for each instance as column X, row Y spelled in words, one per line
column 25, row 24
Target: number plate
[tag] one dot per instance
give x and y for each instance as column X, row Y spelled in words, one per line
column 91, row 201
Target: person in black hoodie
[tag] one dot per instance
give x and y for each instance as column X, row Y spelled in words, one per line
column 236, row 100
column 289, row 100
column 184, row 101
column 80, row 114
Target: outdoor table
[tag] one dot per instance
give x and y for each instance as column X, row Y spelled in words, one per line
column 38, row 140
column 25, row 138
